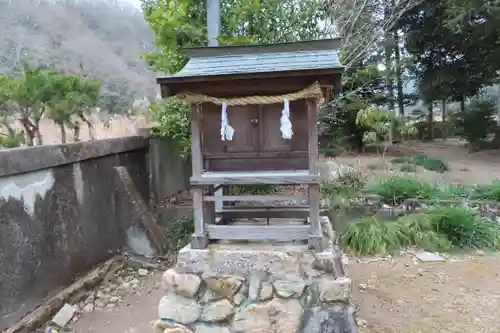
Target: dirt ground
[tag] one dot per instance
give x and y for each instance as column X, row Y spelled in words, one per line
column 392, row 295
column 466, row 167
column 134, row 314
column 403, row 295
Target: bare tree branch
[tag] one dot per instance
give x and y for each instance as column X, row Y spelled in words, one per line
column 362, row 25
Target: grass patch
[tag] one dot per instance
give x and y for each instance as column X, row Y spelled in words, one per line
column 426, row 162
column 408, row 167
column 437, row 229
column 431, row 163
column 345, row 189
column 179, row 233
column 402, row 160
column 369, row 236
column 397, row 188
column 486, row 191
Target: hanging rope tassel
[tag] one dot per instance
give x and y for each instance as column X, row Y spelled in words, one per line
column 226, row 131
column 286, row 125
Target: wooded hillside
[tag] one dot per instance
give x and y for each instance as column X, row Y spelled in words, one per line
column 102, row 38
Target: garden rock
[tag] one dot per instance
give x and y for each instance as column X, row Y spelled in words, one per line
column 202, row 328
column 178, row 308
column 287, row 288
column 277, row 316
column 224, row 286
column 331, row 290
column 266, row 292
column 217, row 311
column 328, row 321
column 186, row 285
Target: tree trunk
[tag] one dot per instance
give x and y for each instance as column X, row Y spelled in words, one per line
column 399, row 78
column 443, row 116
column 462, row 103
column 89, row 126
column 430, row 121
column 62, row 129
column 76, row 133
column 389, row 83
column 39, row 139
column 28, row 131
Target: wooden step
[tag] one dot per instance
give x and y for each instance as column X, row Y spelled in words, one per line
column 260, row 198
column 255, row 177
column 253, row 232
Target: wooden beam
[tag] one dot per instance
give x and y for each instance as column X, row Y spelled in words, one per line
column 196, row 153
column 264, row 154
column 272, row 212
column 245, row 232
column 199, row 239
column 315, row 234
column 312, row 122
column 156, row 233
column 254, row 198
column 250, row 178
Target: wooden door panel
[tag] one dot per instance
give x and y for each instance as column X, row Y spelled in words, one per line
column 211, row 142
column 298, row 117
column 245, row 131
column 270, row 134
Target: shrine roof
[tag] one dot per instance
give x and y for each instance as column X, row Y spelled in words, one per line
column 228, row 61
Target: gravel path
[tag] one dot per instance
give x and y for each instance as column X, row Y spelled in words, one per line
column 134, row 313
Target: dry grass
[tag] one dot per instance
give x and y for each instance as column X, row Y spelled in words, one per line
column 104, row 126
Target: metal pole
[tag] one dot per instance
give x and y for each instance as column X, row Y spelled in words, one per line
column 213, row 21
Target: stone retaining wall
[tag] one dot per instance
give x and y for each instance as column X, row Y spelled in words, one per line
column 256, row 289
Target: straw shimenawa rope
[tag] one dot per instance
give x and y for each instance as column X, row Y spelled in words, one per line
column 314, row 91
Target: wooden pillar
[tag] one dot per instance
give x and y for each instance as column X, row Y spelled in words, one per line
column 196, row 153
column 315, row 234
column 199, row 240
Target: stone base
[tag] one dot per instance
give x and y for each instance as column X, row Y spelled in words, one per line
column 256, row 288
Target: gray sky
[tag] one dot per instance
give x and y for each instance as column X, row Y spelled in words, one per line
column 136, row 3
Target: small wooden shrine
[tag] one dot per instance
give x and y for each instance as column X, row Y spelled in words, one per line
column 254, row 121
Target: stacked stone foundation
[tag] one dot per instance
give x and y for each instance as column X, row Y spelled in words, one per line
column 256, row 288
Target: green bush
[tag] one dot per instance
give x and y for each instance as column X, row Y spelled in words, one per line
column 478, row 123
column 440, row 228
column 332, row 148
column 419, row 231
column 401, row 160
column 179, row 233
column 455, row 192
column 345, row 189
column 261, row 189
column 369, row 236
column 339, row 123
column 172, row 119
column 440, row 129
column 486, row 191
column 12, row 140
column 428, row 163
column 431, row 163
column 397, row 188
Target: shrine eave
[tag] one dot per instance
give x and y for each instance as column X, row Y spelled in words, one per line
column 256, row 60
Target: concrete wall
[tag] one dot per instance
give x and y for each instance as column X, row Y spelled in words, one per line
column 163, row 164
column 62, row 211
